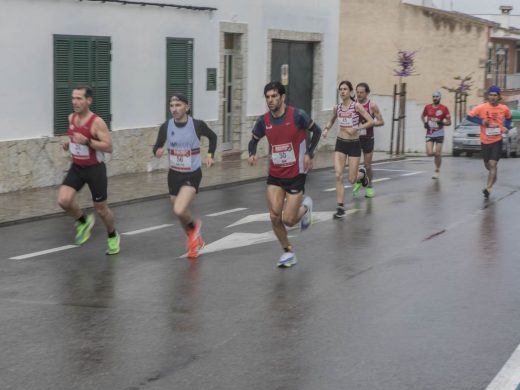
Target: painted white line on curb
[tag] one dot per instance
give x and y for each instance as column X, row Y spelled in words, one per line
column 45, row 252
column 148, row 229
column 226, row 212
column 509, row 376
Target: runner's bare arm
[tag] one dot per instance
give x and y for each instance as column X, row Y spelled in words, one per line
column 102, row 140
column 378, row 121
column 330, row 123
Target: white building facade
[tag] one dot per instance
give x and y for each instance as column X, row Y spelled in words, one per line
column 221, row 54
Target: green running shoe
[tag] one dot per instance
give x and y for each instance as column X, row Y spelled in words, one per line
column 355, row 189
column 370, row 192
column 113, row 245
column 83, row 230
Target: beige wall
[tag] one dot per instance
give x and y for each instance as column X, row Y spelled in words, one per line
column 371, row 33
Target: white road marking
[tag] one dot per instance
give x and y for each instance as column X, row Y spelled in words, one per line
column 509, row 376
column 349, row 186
column 239, row 239
column 148, row 229
column 391, row 170
column 226, row 212
column 317, row 216
column 412, row 173
column 45, row 252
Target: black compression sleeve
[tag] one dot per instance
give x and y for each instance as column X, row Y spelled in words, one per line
column 161, row 137
column 252, row 145
column 202, row 130
column 316, row 135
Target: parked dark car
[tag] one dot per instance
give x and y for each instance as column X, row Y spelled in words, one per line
column 466, row 138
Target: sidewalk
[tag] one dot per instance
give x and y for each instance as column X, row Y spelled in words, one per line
column 22, row 206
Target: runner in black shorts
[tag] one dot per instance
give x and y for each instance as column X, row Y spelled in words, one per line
column 366, row 138
column 286, row 128
column 347, row 144
column 435, row 116
column 494, row 119
column 182, row 135
column 88, row 140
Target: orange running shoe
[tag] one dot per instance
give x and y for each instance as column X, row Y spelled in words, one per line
column 195, row 242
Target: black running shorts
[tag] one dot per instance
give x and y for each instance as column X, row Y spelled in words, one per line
column 350, row 147
column 93, row 175
column 438, row 140
column 367, row 144
column 291, row 186
column 178, row 179
column 492, row 151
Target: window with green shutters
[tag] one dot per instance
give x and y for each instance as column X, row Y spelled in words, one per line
column 81, row 60
column 179, row 69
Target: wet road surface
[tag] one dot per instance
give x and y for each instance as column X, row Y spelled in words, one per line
column 416, row 289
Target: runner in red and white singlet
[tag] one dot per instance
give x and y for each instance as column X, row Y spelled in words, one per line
column 435, row 116
column 286, row 130
column 88, row 141
column 366, row 137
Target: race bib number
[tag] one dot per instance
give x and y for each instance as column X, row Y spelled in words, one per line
column 346, row 122
column 362, row 131
column 283, row 155
column 79, row 150
column 433, row 124
column 180, row 159
column 493, row 131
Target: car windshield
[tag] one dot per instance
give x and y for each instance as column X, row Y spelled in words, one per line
column 465, row 122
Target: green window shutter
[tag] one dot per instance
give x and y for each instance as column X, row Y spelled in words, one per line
column 62, row 77
column 80, row 60
column 100, row 76
column 179, row 69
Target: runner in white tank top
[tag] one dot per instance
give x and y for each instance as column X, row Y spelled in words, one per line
column 347, row 143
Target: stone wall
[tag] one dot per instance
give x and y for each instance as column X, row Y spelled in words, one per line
column 42, row 162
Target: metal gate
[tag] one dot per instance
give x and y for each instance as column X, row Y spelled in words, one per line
column 291, row 63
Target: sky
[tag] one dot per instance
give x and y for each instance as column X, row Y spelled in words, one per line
column 478, row 6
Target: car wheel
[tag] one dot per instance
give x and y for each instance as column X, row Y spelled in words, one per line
column 455, row 153
column 469, row 154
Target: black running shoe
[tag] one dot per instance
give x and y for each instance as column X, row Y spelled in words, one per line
column 364, row 180
column 485, row 191
column 339, row 214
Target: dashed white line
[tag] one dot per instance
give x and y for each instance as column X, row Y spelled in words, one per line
column 349, row 186
column 391, row 170
column 509, row 376
column 148, row 229
column 226, row 212
column 45, row 252
column 412, row 173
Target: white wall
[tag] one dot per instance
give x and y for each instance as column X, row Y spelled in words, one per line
column 138, row 70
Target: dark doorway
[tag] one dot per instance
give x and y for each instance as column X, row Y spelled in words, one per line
column 291, row 63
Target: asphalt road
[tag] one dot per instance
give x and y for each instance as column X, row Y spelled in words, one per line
column 416, row 289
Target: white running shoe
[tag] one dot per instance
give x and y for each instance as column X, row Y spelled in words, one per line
column 435, row 175
column 287, row 260
column 307, row 217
